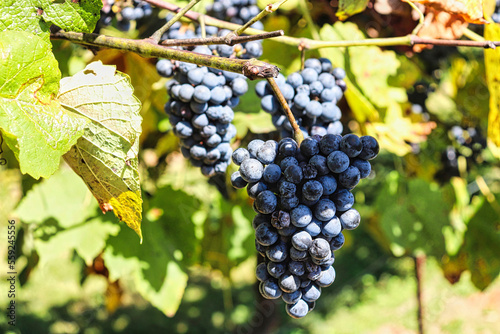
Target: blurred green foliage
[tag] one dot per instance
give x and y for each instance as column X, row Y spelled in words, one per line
column 82, row 272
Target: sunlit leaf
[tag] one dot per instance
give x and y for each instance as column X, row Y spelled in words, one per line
column 23, row 15
column 105, row 157
column 34, row 124
column 79, row 16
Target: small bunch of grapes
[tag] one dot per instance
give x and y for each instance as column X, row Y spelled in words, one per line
column 468, row 143
column 235, row 11
column 312, row 95
column 200, row 111
column 303, row 202
column 124, row 11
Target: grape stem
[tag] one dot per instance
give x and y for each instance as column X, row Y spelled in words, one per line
column 251, row 68
column 311, row 44
column 297, row 133
column 421, row 18
column 159, row 33
column 269, row 9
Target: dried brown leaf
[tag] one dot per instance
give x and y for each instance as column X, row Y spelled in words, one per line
column 439, row 24
column 469, row 10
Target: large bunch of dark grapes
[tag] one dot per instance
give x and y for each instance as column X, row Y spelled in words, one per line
column 303, row 202
column 312, row 95
column 200, row 106
column 124, row 12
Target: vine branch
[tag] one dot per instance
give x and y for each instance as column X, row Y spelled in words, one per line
column 269, row 9
column 220, row 40
column 311, row 44
column 252, row 68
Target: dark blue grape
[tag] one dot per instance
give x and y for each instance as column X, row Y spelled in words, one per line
column 332, row 227
column 326, row 278
column 370, row 148
column 302, row 241
column 239, row 155
column 297, row 310
column 350, row 219
column 272, row 173
column 324, row 210
column 351, row 145
column 265, row 234
column 261, row 272
column 293, row 173
column 269, row 289
column 343, row 199
column 363, row 166
column 266, row 202
column 301, row 216
column 256, row 188
column 289, row 283
column 350, row 177
column 276, row 269
column 292, row 298
column 311, row 293
column 251, row 170
column 337, row 242
column 337, row 161
column 312, row 190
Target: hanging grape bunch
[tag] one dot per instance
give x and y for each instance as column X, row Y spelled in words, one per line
column 312, row 95
column 303, row 202
column 124, row 12
column 201, row 101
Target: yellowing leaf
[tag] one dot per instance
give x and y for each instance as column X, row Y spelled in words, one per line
column 396, row 131
column 350, row 7
column 492, row 63
column 470, row 10
column 105, row 157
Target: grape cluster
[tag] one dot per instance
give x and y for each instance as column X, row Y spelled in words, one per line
column 312, row 95
column 468, row 143
column 239, row 12
column 235, row 11
column 496, row 15
column 303, row 202
column 200, row 105
column 124, row 13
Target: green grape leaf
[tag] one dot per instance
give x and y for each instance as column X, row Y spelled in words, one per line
column 158, row 276
column 106, row 156
column 405, row 220
column 372, row 76
column 492, row 63
column 350, row 7
column 36, row 16
column 63, row 197
column 482, row 244
column 78, row 16
column 362, row 108
column 256, row 122
column 23, row 15
column 35, row 125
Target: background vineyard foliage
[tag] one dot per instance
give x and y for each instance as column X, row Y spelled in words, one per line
column 80, row 271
